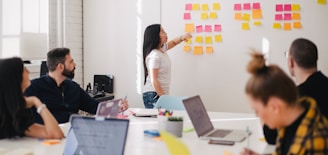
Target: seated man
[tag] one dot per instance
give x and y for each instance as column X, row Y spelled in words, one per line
column 61, row 95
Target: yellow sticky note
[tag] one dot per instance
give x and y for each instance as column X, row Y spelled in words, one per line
column 186, row 48
column 296, row 16
column 257, row 23
column 199, row 39
column 195, row 7
column 287, row 26
column 245, row 26
column 204, row 7
column 218, row 38
column 246, row 17
column 198, row 50
column 203, row 16
column 257, row 14
column 297, row 25
column 213, row 15
column 276, row 25
column 216, row 6
column 238, row 16
column 208, row 40
column 174, row 145
column 188, row 41
column 209, row 50
column 189, row 28
column 321, row 1
column 296, row 7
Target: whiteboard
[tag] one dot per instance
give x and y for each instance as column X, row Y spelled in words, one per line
column 219, row 78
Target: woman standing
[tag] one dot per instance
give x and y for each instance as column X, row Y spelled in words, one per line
column 157, row 64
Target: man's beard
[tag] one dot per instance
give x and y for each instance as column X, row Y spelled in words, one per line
column 68, row 73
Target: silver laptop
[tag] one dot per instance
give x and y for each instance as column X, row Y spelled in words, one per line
column 203, row 125
column 96, row 135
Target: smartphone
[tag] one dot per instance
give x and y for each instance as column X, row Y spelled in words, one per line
column 221, row 142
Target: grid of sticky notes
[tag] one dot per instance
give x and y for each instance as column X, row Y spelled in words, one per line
column 287, row 17
column 202, row 21
column 248, row 14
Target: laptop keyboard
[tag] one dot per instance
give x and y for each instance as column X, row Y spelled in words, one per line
column 219, row 133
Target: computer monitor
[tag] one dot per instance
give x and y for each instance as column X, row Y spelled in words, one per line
column 104, row 83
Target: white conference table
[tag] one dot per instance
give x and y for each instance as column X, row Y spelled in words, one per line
column 138, row 144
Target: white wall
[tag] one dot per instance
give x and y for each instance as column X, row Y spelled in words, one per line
column 113, row 43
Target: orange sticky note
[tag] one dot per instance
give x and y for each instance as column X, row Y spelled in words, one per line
column 198, row 50
column 238, row 16
column 186, row 48
column 209, row 50
column 51, row 141
column 256, row 14
column 245, row 26
column 287, row 26
column 276, row 25
column 296, row 16
column 189, row 28
column 297, row 25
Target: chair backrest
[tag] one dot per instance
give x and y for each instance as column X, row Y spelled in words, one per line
column 170, row 102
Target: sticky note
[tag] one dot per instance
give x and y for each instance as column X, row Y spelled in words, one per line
column 217, row 28
column 297, row 25
column 218, row 38
column 186, row 48
column 51, row 141
column 216, row 6
column 287, row 26
column 321, row 2
column 257, row 14
column 276, row 25
column 199, row 28
column 278, row 17
column 189, row 28
column 296, row 7
column 287, row 16
column 203, row 16
column 246, row 16
column 208, row 40
column 256, row 6
column 204, row 7
column 208, row 28
column 188, row 41
column 287, row 7
column 247, row 6
column 174, row 145
column 238, row 16
column 279, row 7
column 199, row 39
column 195, row 7
column 245, row 26
column 209, row 50
column 296, row 16
column 186, row 16
column 213, row 15
column 257, row 23
column 237, row 7
column 198, row 50
column 188, row 7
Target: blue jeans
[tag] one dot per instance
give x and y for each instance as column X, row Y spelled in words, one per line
column 150, row 99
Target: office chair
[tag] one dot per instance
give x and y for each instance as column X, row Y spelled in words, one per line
column 170, row 102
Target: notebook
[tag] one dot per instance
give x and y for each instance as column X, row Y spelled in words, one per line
column 203, row 125
column 96, row 135
column 109, row 108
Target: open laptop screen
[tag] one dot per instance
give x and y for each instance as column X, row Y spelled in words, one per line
column 88, row 135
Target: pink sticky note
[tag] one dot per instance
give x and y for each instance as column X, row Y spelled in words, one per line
column 186, row 16
column 237, row 7
column 208, row 28
column 199, row 28
column 287, row 16
column 278, row 16
column 189, row 7
column 256, row 6
column 247, row 6
column 287, row 7
column 279, row 7
column 217, row 28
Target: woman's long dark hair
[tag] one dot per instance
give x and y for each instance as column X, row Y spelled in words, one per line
column 151, row 41
column 13, row 111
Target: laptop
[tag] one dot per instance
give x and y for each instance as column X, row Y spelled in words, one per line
column 96, row 135
column 109, row 108
column 203, row 125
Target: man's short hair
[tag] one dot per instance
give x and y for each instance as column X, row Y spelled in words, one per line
column 304, row 52
column 56, row 56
